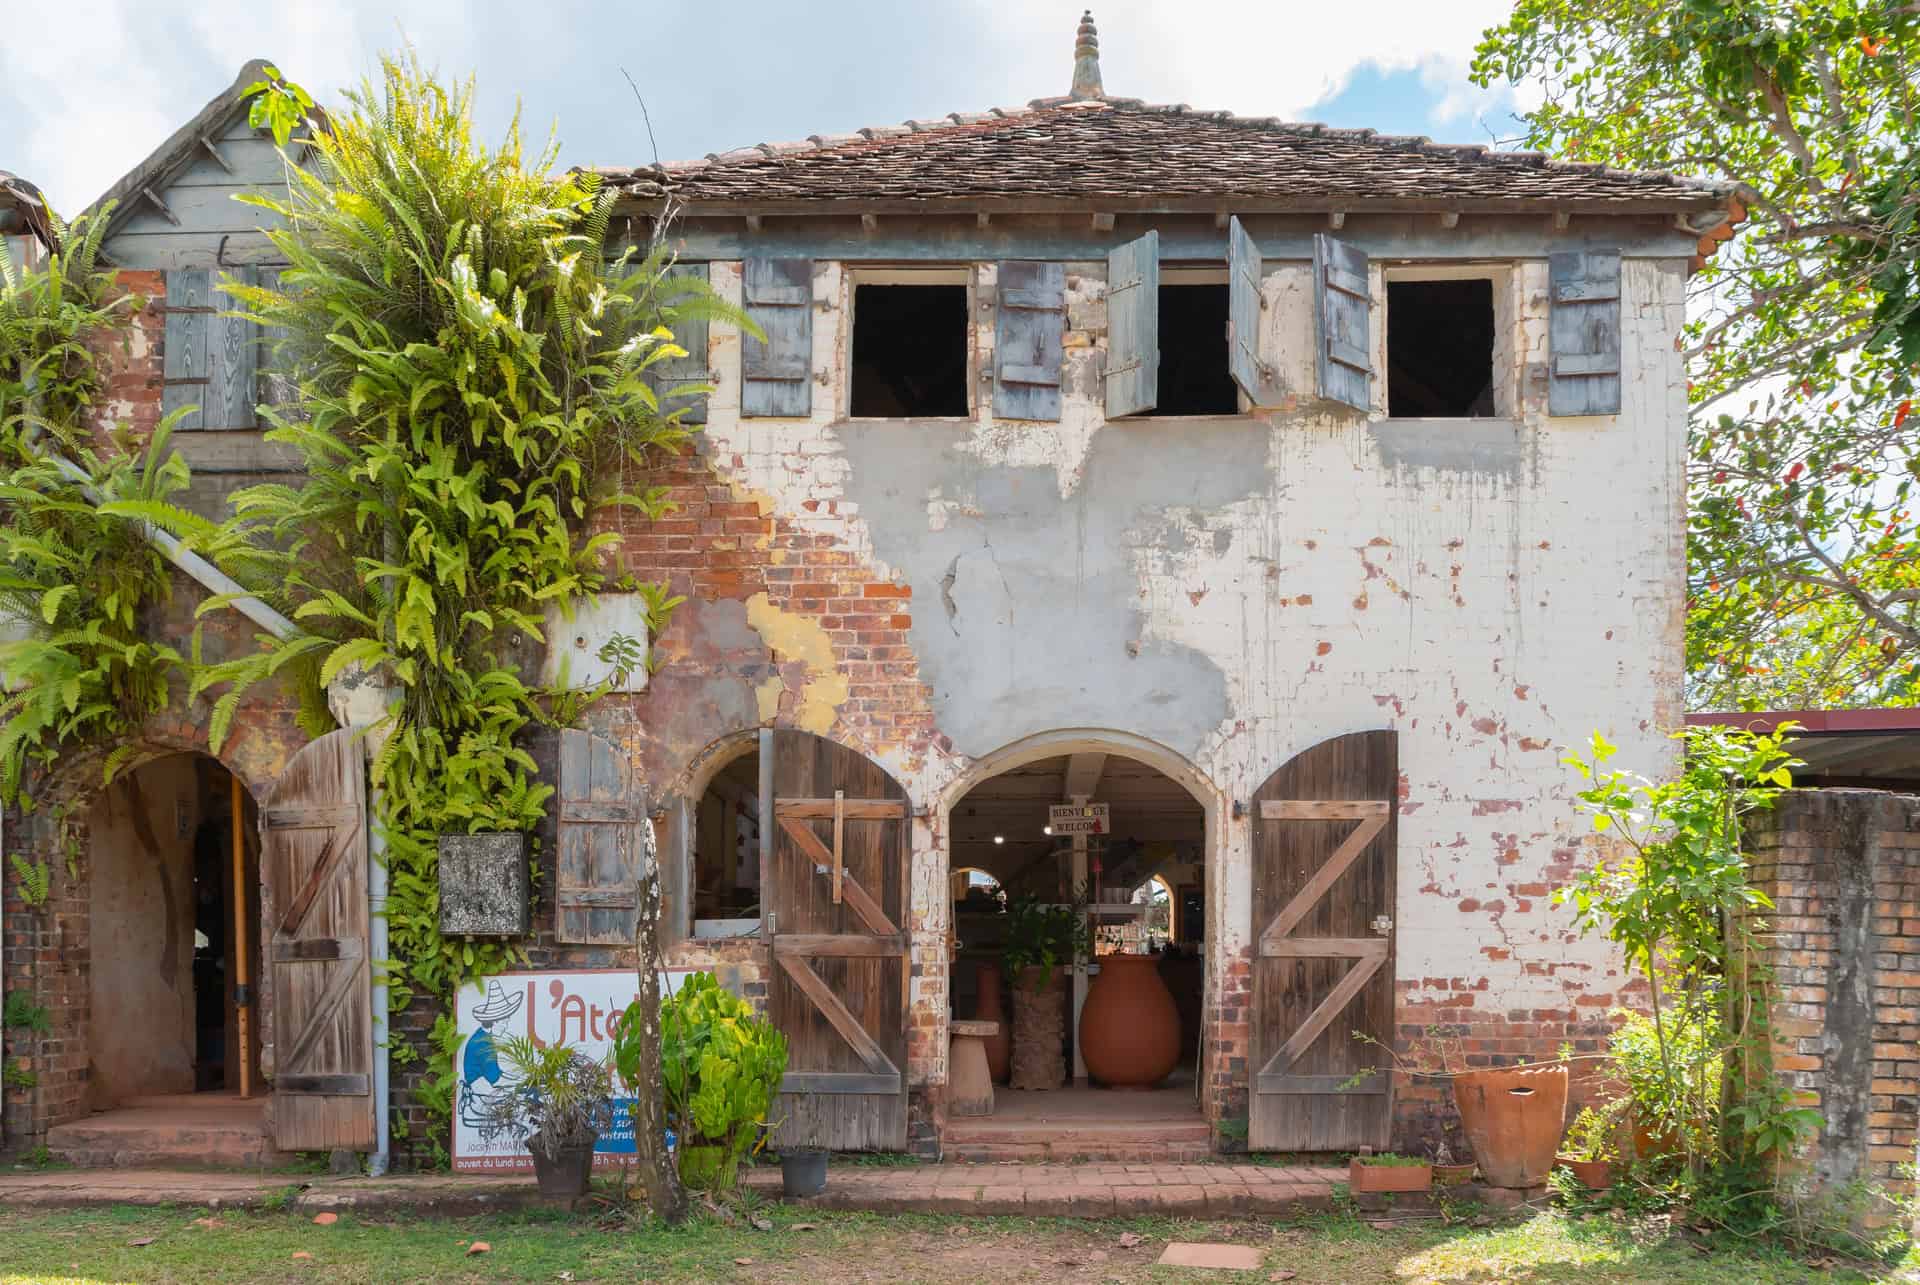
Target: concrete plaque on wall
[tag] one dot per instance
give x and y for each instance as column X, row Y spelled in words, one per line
column 483, row 885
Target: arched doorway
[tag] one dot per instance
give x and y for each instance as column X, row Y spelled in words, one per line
column 1161, row 820
column 174, row 907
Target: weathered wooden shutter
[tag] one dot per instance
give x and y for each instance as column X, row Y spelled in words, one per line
column 1243, row 314
column 604, row 843
column 837, row 889
column 777, row 372
column 1344, row 309
column 209, row 359
column 1585, row 332
column 1324, row 834
column 313, row 874
column 1029, row 334
column 276, row 384
column 1133, row 326
column 690, row 333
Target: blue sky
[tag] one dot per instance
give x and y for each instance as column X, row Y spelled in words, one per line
column 75, row 115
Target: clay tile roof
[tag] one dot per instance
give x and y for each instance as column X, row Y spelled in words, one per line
column 1057, row 150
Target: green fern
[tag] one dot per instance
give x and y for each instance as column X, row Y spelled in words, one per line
column 34, row 878
column 21, row 1013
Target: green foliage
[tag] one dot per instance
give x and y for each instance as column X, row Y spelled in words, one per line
column 1045, row 936
column 1388, row 1160
column 476, row 385
column 277, row 104
column 1594, row 1134
column 720, row 1071
column 15, row 1076
column 1805, row 328
column 561, row 1097
column 21, row 1013
column 53, row 318
column 35, row 880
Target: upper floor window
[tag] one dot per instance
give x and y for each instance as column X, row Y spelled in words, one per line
column 910, row 345
column 1440, row 345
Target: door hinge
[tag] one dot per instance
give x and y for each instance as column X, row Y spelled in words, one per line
column 1382, row 925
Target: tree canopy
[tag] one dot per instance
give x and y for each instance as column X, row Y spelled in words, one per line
column 1803, row 330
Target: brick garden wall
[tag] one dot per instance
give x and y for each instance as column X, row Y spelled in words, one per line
column 1842, row 868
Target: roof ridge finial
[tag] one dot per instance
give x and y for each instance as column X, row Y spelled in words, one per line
column 1086, row 60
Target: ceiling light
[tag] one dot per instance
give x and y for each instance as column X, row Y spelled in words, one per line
column 999, row 838
column 1046, row 829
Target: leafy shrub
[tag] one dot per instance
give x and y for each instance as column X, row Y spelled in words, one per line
column 563, row 1099
column 1045, row 936
column 1594, row 1134
column 720, row 1071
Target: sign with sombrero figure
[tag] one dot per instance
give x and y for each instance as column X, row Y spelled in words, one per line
column 581, row 1009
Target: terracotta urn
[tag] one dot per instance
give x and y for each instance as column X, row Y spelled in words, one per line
column 987, row 1008
column 1129, row 1027
column 1513, row 1118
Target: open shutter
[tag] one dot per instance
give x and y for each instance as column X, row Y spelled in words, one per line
column 275, row 383
column 1029, row 333
column 1243, row 314
column 837, row 857
column 604, row 843
column 777, row 372
column 313, row 870
column 690, row 333
column 233, row 361
column 1133, row 326
column 1344, row 309
column 1323, row 901
column 1585, row 333
column 184, row 365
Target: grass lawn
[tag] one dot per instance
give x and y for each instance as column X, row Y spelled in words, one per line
column 96, row 1245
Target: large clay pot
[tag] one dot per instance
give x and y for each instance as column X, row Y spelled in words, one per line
column 1129, row 1027
column 986, row 1008
column 1039, row 1029
column 1513, row 1118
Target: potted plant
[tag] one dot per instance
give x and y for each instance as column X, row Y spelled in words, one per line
column 720, row 1071
column 1589, row 1151
column 1043, row 939
column 558, row 1104
column 1447, row 1171
column 1387, row 1172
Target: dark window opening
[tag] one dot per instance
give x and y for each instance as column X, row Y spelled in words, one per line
column 909, row 351
column 726, row 844
column 1439, row 349
column 1193, row 353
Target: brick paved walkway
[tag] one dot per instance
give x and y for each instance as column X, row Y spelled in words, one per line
column 1100, row 1190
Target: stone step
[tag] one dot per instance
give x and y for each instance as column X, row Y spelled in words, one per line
column 982, row 1139
column 167, row 1136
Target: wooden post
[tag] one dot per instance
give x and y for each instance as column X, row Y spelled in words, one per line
column 243, row 1000
column 839, row 830
column 1079, row 882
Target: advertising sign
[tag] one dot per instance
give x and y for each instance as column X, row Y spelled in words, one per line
column 581, row 1009
column 1078, row 818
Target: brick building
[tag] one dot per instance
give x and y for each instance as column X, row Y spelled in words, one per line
column 1300, row 494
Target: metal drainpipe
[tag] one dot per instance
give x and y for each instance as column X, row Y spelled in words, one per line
column 378, row 1162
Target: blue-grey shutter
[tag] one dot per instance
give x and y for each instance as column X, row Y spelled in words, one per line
column 776, row 374
column 275, row 382
column 1133, row 326
column 183, row 365
column 1028, row 338
column 1243, row 314
column 690, row 333
column 233, row 360
column 1584, row 331
column 1344, row 310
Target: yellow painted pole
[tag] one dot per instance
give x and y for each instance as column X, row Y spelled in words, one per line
column 242, row 995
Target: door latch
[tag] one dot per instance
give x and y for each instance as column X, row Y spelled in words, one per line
column 1382, row 925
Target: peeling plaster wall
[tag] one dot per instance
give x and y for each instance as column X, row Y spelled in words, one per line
column 1234, row 589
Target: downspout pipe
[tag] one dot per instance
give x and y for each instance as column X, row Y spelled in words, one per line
column 381, row 1159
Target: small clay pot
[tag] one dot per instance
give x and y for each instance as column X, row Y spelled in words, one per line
column 1514, row 1118
column 1594, row 1175
column 1453, row 1175
column 1363, row 1178
column 1129, row 1027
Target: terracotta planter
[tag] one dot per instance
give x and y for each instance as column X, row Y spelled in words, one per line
column 1594, row 1175
column 987, row 1008
column 1129, row 1027
column 1364, row 1178
column 1039, row 1030
column 1453, row 1175
column 1513, row 1118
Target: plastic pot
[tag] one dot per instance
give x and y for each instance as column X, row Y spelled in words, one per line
column 1513, row 1118
column 563, row 1177
column 803, row 1172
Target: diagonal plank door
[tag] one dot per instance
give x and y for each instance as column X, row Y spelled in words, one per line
column 837, row 876
column 313, row 869
column 1323, row 901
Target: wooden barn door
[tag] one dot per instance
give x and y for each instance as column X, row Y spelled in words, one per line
column 837, row 891
column 313, row 869
column 1323, row 899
